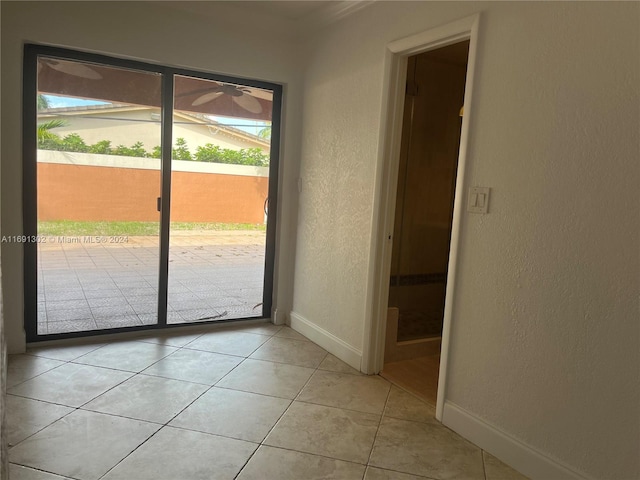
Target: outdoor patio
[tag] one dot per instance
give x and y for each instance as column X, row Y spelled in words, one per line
column 86, row 284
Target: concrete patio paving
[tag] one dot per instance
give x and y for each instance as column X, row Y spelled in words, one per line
column 89, row 283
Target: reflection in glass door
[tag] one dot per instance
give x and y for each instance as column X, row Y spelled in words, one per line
column 147, row 195
column 98, row 178
column 219, row 191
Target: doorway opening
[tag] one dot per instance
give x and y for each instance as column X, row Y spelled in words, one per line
column 147, row 195
column 424, row 205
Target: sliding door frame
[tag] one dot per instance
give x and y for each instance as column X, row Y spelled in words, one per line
column 29, row 165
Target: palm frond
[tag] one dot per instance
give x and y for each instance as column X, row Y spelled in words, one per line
column 44, row 129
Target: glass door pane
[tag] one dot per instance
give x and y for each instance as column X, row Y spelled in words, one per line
column 219, row 190
column 98, row 179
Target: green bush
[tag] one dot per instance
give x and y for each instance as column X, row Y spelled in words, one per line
column 209, row 153
column 74, row 143
column 136, row 150
column 215, row 154
column 180, row 151
column 156, row 152
column 102, row 147
column 70, row 143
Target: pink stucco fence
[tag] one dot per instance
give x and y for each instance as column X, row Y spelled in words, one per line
column 85, row 187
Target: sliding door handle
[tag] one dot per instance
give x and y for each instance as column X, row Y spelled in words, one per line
column 159, row 204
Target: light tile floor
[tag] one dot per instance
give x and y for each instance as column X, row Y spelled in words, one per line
column 88, row 285
column 247, row 401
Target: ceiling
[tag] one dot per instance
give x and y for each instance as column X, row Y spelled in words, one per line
column 286, row 19
column 295, row 16
column 291, row 10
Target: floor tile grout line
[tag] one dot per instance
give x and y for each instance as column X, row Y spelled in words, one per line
column 208, row 389
column 132, row 451
column 418, row 397
column 382, row 417
column 161, row 425
column 172, row 418
column 76, row 408
column 109, row 389
column 98, row 412
column 189, row 405
column 403, row 473
column 38, row 400
column 292, row 401
column 484, row 465
column 48, row 425
column 309, row 402
column 247, row 461
column 134, row 374
column 75, row 359
column 375, row 437
column 251, row 393
column 304, row 453
column 178, row 348
column 45, row 471
column 258, row 445
column 41, row 373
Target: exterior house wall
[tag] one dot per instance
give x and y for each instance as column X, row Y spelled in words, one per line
column 128, row 127
column 544, row 334
column 131, row 126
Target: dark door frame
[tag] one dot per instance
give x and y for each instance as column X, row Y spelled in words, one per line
column 29, row 165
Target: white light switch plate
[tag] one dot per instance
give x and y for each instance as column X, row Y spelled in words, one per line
column 478, row 200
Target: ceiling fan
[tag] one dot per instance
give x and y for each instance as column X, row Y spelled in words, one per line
column 70, row 68
column 240, row 95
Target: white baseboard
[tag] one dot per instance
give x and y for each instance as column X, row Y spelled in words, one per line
column 278, row 317
column 328, row 341
column 527, row 460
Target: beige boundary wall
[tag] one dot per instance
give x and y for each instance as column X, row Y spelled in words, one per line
column 90, row 187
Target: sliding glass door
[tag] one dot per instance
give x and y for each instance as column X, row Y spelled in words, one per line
column 147, row 192
column 97, row 222
column 219, row 196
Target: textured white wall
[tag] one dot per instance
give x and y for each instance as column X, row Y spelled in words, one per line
column 217, row 40
column 337, row 177
column 547, row 304
column 544, row 339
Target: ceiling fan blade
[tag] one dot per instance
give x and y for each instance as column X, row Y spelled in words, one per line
column 259, row 93
column 249, row 103
column 75, row 69
column 207, row 97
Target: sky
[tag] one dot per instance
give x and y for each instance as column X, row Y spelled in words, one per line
column 59, row 102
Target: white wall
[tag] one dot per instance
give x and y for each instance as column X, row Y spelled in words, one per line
column 149, row 31
column 544, row 344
